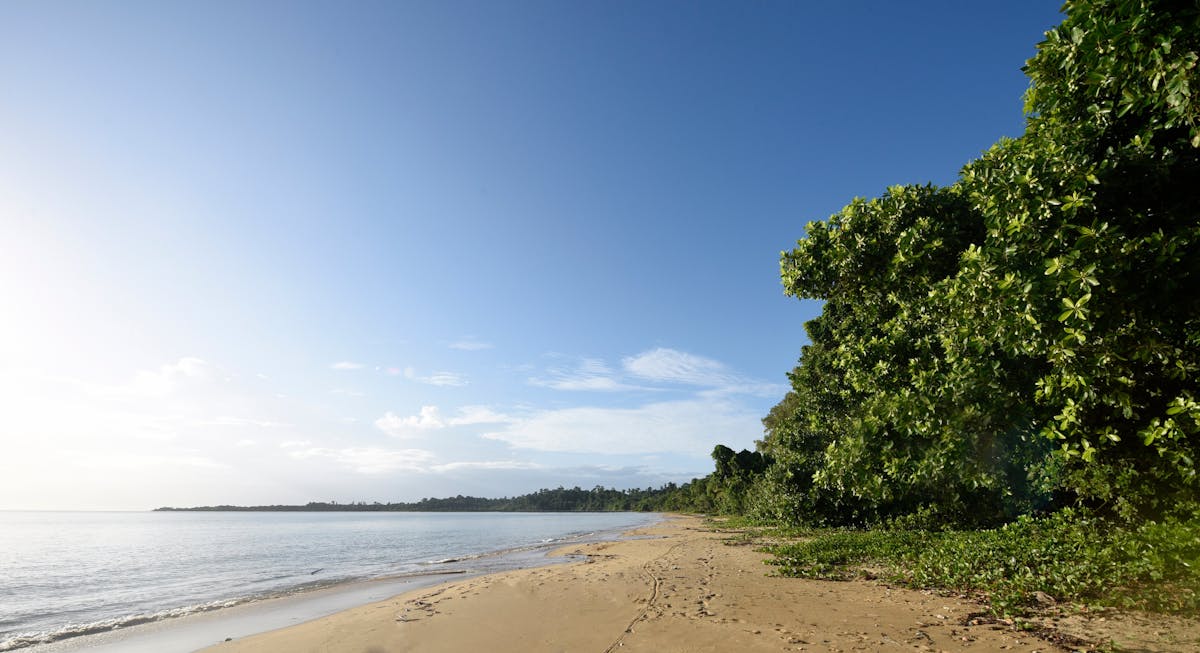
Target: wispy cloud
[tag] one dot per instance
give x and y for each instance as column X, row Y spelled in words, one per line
column 468, row 415
column 589, row 374
column 371, row 460
column 188, row 400
column 670, row 365
column 161, row 382
column 485, row 464
column 138, row 461
column 347, row 365
column 470, row 344
column 688, row 426
column 444, row 379
column 745, row 387
column 377, row 460
column 654, row 370
column 245, row 421
column 430, row 418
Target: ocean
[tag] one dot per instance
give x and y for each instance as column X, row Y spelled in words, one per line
column 67, row 575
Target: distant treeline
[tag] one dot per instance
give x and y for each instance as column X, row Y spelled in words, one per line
column 576, row 499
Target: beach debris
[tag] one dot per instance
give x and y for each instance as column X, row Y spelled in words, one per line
column 314, row 572
column 1044, row 599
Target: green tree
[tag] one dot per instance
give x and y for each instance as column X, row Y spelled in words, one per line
column 1031, row 333
column 872, row 378
column 1090, row 264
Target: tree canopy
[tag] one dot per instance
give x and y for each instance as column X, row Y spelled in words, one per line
column 1029, row 335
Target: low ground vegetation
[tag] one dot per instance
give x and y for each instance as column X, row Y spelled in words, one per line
column 1068, row 557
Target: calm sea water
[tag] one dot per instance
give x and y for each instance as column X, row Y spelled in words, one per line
column 68, row 574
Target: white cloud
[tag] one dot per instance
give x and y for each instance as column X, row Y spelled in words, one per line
column 443, row 379
column 745, row 387
column 689, row 426
column 430, row 418
column 594, row 383
column 188, row 366
column 158, row 383
column 656, row 369
column 672, row 366
column 371, row 460
column 245, row 421
column 346, row 365
column 468, row 415
column 470, row 344
column 182, row 424
column 590, row 374
column 129, row 462
column 679, row 367
column 405, row 427
column 485, row 464
column 179, row 401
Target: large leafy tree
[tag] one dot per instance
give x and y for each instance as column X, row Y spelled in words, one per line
column 1032, row 330
column 1090, row 264
column 869, row 391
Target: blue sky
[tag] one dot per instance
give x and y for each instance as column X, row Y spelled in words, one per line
column 290, row 251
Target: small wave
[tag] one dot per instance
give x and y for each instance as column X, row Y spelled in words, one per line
column 421, row 574
column 270, row 579
column 541, row 544
column 22, row 640
column 30, row 638
column 461, row 558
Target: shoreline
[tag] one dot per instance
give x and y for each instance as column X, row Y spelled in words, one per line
column 685, row 587
column 190, row 632
column 679, row 587
column 674, row 585
column 189, row 628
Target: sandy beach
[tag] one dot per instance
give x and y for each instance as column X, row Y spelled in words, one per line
column 680, row 587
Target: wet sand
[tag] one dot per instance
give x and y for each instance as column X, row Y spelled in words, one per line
column 685, row 588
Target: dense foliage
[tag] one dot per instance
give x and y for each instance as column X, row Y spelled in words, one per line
column 1028, row 337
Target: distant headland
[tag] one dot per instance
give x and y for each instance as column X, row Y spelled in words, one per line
column 597, row 499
